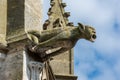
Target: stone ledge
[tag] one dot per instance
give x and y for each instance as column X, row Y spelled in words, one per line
column 65, row 77
column 17, row 38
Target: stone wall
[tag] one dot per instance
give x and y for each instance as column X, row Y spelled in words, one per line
column 3, row 20
column 12, row 65
column 16, row 17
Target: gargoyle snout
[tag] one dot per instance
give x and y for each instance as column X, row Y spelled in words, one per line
column 94, row 36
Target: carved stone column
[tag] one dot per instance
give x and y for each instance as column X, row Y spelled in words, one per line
column 2, row 58
column 32, row 70
column 35, row 70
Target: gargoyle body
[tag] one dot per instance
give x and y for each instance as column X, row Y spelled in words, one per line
column 56, row 41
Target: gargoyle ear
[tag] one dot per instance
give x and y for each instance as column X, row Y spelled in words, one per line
column 81, row 26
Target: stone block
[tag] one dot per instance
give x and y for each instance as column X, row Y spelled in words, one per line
column 23, row 15
column 3, row 20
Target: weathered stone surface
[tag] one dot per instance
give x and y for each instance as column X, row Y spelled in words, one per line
column 33, row 15
column 12, row 66
column 23, row 15
column 61, row 67
column 3, row 20
column 15, row 18
column 63, row 63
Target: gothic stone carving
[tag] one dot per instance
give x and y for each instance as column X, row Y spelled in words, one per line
column 61, row 38
column 35, row 70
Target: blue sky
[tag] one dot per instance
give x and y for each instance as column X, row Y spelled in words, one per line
column 99, row 60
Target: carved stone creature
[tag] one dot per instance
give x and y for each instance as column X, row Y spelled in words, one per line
column 56, row 41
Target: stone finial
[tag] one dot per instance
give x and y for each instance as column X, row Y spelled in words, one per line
column 70, row 24
column 66, row 14
column 52, row 3
column 63, row 4
column 49, row 12
column 47, row 22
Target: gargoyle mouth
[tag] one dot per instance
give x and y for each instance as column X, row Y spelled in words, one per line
column 93, row 37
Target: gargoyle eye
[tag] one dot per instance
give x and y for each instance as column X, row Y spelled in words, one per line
column 93, row 31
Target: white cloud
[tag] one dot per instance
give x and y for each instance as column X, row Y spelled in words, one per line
column 117, row 69
column 103, row 15
column 103, row 55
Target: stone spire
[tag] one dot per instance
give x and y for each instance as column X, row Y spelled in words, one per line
column 57, row 15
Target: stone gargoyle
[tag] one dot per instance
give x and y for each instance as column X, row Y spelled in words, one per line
column 58, row 40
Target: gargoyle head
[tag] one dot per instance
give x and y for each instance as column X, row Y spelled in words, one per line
column 88, row 32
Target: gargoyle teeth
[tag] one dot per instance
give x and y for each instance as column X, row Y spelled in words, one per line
column 92, row 40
